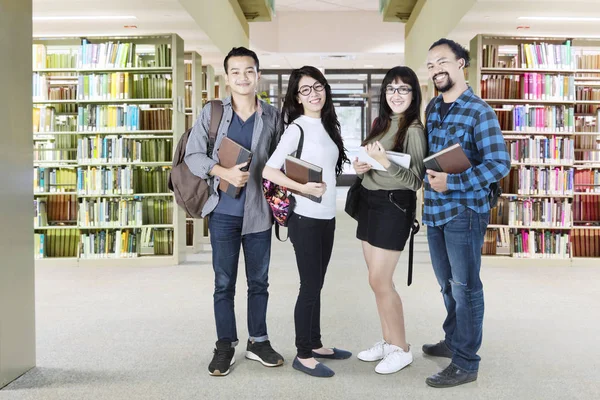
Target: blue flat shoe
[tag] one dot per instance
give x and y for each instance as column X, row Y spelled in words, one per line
column 320, row 371
column 338, row 354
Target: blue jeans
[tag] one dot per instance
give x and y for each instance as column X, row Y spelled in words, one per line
column 455, row 250
column 226, row 239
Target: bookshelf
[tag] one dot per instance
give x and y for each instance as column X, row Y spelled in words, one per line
column 546, row 93
column 107, row 112
column 194, row 88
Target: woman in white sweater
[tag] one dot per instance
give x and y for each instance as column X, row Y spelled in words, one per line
column 308, row 108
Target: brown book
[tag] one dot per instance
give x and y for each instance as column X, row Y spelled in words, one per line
column 451, row 160
column 230, row 155
column 303, row 172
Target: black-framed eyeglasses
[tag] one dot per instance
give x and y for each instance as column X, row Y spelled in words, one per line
column 306, row 89
column 400, row 90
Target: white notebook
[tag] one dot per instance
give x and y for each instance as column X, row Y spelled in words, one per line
column 401, row 159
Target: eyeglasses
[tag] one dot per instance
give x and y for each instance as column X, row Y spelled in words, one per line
column 306, row 90
column 400, row 90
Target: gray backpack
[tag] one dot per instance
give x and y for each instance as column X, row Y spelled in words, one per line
column 191, row 192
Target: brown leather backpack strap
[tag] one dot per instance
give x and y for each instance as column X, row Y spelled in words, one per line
column 216, row 113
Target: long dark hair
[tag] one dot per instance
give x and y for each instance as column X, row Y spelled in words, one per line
column 412, row 113
column 292, row 110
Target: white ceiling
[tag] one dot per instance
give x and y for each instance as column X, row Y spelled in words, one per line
column 152, row 16
column 294, row 39
column 326, row 5
column 501, row 17
column 352, row 28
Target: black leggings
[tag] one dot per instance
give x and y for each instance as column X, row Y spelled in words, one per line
column 313, row 242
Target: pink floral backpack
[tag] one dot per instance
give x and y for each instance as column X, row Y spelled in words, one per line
column 280, row 200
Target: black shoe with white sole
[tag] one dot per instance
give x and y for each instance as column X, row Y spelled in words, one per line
column 263, row 353
column 223, row 359
column 451, row 376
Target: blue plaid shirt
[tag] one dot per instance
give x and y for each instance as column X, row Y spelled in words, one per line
column 471, row 122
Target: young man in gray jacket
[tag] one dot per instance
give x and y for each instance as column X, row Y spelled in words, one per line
column 243, row 221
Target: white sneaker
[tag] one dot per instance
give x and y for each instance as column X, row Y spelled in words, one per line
column 375, row 353
column 394, row 360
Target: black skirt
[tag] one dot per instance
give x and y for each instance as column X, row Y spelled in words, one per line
column 385, row 217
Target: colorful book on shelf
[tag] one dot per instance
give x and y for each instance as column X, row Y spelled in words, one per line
column 303, row 172
column 451, row 160
column 230, row 155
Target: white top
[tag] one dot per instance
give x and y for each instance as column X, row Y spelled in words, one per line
column 318, row 149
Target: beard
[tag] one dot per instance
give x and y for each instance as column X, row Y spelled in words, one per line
column 446, row 86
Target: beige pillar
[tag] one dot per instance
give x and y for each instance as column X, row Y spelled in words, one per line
column 17, row 305
column 209, row 73
column 222, row 20
column 430, row 21
column 223, row 89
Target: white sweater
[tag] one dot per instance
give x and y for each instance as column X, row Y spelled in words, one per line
column 318, row 149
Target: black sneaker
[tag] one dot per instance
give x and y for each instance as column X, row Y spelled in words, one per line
column 451, row 376
column 263, row 353
column 222, row 359
column 437, row 350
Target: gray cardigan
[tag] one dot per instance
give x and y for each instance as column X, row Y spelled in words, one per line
column 267, row 131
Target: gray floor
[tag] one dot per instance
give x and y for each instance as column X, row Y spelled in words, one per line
column 148, row 333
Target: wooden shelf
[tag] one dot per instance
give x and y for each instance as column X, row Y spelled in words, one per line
column 37, row 194
column 55, row 164
column 115, row 101
column 117, row 132
column 538, row 133
column 131, row 163
column 534, row 164
column 83, row 196
column 59, row 227
column 508, row 71
column 587, row 166
column 136, row 70
column 534, row 102
column 587, row 78
column 538, row 196
column 101, row 228
column 533, row 228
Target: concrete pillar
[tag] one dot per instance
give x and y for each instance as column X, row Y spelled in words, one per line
column 222, row 20
column 430, row 21
column 17, row 301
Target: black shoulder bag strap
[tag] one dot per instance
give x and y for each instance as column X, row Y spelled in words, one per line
column 413, row 231
column 297, row 154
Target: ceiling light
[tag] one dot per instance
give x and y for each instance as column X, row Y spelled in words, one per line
column 576, row 19
column 275, row 66
column 84, row 17
column 369, row 66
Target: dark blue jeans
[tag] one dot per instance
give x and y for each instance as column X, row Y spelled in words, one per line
column 226, row 239
column 455, row 250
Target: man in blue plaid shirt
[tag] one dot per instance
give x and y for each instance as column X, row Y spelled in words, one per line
column 457, row 208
